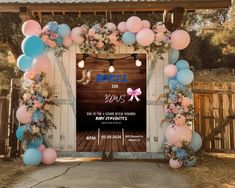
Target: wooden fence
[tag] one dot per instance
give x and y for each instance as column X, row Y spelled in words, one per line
column 214, row 104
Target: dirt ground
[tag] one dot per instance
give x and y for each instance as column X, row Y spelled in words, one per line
column 11, row 171
column 212, row 171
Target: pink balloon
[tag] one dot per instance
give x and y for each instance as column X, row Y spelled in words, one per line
column 180, row 39
column 31, row 27
column 41, row 64
column 170, row 70
column 175, row 163
column 146, row 24
column 76, row 35
column 23, row 115
column 134, row 24
column 145, row 37
column 67, row 41
column 49, row 156
column 42, row 148
column 122, row 27
column 111, row 26
column 186, row 134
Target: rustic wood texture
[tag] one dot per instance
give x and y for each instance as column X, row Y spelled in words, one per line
column 213, row 103
column 110, row 145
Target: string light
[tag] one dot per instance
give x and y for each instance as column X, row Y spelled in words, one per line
column 138, row 63
column 81, row 64
column 111, row 67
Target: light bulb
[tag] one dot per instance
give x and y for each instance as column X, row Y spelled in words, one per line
column 111, row 68
column 81, row 64
column 138, row 63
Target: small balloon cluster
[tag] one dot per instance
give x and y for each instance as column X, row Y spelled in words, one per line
column 181, row 143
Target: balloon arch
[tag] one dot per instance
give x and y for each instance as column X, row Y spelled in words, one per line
column 34, row 109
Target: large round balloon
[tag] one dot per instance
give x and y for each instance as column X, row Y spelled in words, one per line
column 67, row 41
column 122, row 27
column 41, row 64
column 170, row 70
column 32, row 157
column 31, row 27
column 32, row 46
column 76, row 35
column 134, row 24
column 128, row 38
column 146, row 24
column 110, row 26
column 145, row 37
column 24, row 62
column 21, row 130
column 185, row 76
column 175, row 163
column 49, row 156
column 23, row 115
column 173, row 55
column 64, row 30
column 196, row 142
column 180, row 39
column 182, row 64
column 35, row 142
column 186, row 134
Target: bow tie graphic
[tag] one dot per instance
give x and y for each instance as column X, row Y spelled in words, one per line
column 134, row 94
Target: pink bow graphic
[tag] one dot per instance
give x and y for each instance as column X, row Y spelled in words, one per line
column 134, row 94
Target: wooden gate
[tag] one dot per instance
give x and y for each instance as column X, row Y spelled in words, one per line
column 214, row 120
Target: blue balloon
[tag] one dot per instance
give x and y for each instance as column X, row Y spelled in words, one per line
column 196, row 142
column 128, row 38
column 52, row 26
column 32, row 157
column 59, row 41
column 173, row 55
column 182, row 64
column 185, row 76
column 64, row 30
column 21, row 130
column 35, row 143
column 32, row 46
column 24, row 62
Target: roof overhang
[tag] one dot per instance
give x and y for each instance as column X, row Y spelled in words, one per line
column 116, row 6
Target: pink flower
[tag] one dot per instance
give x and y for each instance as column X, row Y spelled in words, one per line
column 37, row 104
column 100, row 45
column 180, row 120
column 180, row 100
column 172, row 106
column 186, row 102
column 44, row 38
column 161, row 28
column 91, row 32
column 112, row 38
column 175, row 110
column 159, row 37
column 186, row 109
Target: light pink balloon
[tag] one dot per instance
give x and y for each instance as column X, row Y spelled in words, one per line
column 145, row 37
column 67, row 41
column 122, row 27
column 186, row 134
column 41, row 64
column 180, row 39
column 76, row 35
column 175, row 163
column 173, row 135
column 146, row 24
column 111, row 26
column 134, row 24
column 31, row 27
column 23, row 115
column 170, row 70
column 49, row 156
column 42, row 148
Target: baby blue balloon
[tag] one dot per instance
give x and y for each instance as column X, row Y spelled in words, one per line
column 185, row 76
column 24, row 62
column 32, row 46
column 128, row 38
column 21, row 130
column 35, row 143
column 64, row 30
column 173, row 56
column 196, row 142
column 182, row 64
column 32, row 157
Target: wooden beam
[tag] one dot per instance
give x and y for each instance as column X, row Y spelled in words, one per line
column 117, row 6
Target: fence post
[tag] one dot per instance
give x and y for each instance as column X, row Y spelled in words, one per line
column 13, row 123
